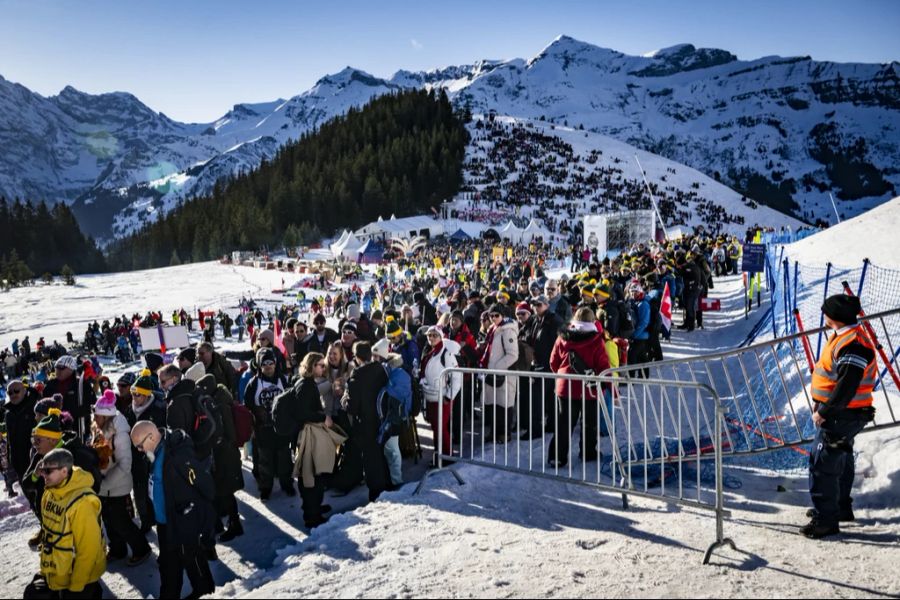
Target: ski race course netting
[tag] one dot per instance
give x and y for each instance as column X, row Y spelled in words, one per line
column 764, row 385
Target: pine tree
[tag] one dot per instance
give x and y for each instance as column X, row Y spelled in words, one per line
column 68, row 275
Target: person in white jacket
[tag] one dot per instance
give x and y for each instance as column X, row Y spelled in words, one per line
column 499, row 392
column 112, row 441
column 441, row 355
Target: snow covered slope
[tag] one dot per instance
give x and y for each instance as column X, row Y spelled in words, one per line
column 557, row 174
column 874, row 235
column 785, row 129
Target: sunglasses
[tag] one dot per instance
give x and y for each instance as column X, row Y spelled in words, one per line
column 349, row 331
column 495, row 316
column 44, row 471
column 140, row 446
column 268, row 363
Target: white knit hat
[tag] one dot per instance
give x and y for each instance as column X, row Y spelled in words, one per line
column 196, row 371
column 67, row 361
column 380, row 349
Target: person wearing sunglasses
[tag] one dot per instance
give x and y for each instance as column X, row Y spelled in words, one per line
column 20, row 420
column 72, row 555
column 271, row 451
column 47, row 436
column 182, row 488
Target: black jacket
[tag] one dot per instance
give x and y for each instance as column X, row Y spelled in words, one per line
column 303, row 405
column 542, row 337
column 20, row 422
column 427, row 314
column 311, row 342
column 691, row 276
column 71, row 403
column 363, row 388
column 472, row 316
column 180, row 406
column 189, row 491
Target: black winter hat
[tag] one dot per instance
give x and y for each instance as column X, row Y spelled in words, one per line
column 842, row 308
column 189, row 353
column 153, row 360
column 418, row 297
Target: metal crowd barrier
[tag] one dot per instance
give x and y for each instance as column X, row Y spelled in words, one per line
column 652, row 437
column 764, row 388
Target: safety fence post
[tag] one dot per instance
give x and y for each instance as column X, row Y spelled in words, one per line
column 822, row 317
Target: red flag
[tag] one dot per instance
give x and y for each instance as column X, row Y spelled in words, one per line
column 665, row 309
column 279, row 343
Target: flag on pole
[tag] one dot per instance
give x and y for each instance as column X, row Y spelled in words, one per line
column 162, row 339
column 279, row 343
column 665, row 311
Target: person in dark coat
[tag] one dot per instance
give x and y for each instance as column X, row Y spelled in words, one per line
column 20, row 421
column 321, row 337
column 227, row 473
column 183, row 493
column 181, row 404
column 77, row 392
column 545, row 327
column 145, row 405
column 366, row 382
column 295, row 410
column 472, row 313
column 427, row 312
column 218, row 366
column 271, row 451
column 690, row 296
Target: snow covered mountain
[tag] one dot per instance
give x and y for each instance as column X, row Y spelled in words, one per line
column 787, row 130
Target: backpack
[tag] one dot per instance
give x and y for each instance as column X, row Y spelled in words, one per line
column 418, row 398
column 525, row 358
column 208, row 425
column 392, row 414
column 627, row 320
column 655, row 324
column 243, row 424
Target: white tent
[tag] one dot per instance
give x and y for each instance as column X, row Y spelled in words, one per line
column 534, row 231
column 511, row 232
column 348, row 246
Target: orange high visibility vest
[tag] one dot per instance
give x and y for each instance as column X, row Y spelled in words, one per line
column 824, row 378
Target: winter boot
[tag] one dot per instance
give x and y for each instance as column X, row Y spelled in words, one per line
column 234, row 530
column 816, row 530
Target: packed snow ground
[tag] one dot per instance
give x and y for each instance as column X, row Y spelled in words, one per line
column 499, row 534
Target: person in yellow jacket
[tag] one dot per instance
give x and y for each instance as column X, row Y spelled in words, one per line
column 73, row 553
column 842, row 385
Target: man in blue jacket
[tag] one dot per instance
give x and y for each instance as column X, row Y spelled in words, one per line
column 183, row 491
column 639, row 350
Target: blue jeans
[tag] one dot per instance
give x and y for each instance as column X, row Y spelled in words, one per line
column 394, row 459
column 831, row 468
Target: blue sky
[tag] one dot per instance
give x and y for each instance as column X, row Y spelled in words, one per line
column 194, row 59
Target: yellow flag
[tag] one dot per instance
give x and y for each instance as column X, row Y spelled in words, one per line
column 438, row 264
column 475, row 256
column 509, row 254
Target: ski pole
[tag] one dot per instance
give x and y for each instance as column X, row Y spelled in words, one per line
column 871, row 331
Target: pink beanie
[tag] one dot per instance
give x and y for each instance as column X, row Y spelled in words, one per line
column 106, row 404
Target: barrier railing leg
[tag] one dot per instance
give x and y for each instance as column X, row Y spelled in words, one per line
column 721, row 540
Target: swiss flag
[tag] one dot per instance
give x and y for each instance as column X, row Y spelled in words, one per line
column 665, row 310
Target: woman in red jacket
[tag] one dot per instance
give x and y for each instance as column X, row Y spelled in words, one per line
column 583, row 344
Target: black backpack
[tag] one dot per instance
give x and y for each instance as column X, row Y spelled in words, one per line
column 627, row 320
column 208, row 425
column 655, row 318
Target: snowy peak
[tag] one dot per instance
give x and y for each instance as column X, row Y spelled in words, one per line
column 347, row 77
column 567, row 50
column 684, row 57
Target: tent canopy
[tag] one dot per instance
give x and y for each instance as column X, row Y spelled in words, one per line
column 460, row 235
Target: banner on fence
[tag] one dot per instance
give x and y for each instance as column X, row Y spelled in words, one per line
column 754, row 260
column 159, row 338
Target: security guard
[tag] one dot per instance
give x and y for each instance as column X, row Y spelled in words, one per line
column 842, row 385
